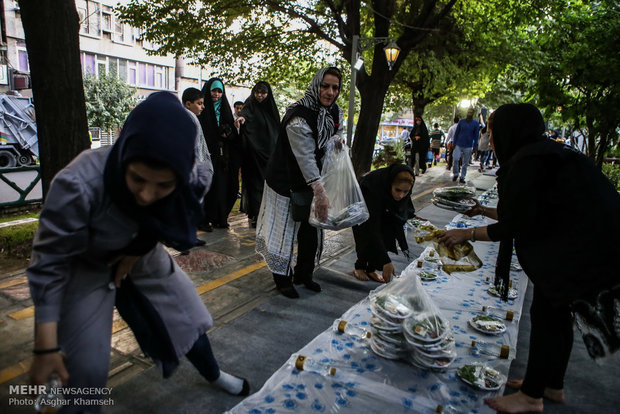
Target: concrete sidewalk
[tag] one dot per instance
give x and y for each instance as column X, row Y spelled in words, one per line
column 256, row 329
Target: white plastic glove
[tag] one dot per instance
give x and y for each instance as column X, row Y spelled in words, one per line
column 321, row 202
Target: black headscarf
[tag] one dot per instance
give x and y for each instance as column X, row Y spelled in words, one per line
column 211, row 128
column 262, row 121
column 378, row 184
column 160, row 130
column 513, row 126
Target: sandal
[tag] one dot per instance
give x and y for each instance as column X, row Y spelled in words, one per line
column 361, row 275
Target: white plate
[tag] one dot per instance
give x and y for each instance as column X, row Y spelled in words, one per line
column 422, row 337
column 494, row 380
column 382, row 353
column 498, row 324
column 512, row 293
column 427, row 276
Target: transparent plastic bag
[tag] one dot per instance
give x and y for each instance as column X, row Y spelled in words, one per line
column 347, row 207
column 460, row 258
column 423, row 336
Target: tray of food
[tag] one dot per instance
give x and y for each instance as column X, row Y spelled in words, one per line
column 487, row 324
column 512, row 293
column 481, row 377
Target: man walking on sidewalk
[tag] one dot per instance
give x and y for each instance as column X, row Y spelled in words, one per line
column 465, row 140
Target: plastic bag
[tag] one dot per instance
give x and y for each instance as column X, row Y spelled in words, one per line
column 460, row 258
column 407, row 324
column 347, row 207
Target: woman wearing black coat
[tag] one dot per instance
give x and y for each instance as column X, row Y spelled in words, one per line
column 544, row 190
column 387, row 192
column 420, row 143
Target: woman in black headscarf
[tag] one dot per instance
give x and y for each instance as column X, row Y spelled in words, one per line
column 420, row 143
column 223, row 142
column 293, row 174
column 387, row 192
column 544, row 189
column 260, row 123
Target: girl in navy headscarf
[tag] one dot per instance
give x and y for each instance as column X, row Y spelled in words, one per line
column 100, row 241
column 223, row 141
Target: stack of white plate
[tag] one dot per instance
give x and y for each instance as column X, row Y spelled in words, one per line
column 386, row 324
column 430, row 342
column 458, row 199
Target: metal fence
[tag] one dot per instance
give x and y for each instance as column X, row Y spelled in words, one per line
column 20, row 186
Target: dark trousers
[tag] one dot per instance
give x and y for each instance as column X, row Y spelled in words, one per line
column 422, row 161
column 551, row 341
column 307, row 245
column 201, row 356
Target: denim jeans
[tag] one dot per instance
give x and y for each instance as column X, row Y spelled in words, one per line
column 456, row 155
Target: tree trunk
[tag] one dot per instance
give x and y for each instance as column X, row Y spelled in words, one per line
column 52, row 40
column 418, row 105
column 366, row 130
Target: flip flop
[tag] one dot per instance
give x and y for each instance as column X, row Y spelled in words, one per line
column 377, row 278
column 359, row 274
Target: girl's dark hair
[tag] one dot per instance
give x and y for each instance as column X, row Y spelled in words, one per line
column 149, row 162
column 404, row 177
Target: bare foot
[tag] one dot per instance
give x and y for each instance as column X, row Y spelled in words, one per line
column 551, row 394
column 515, row 403
column 360, row 275
column 376, row 277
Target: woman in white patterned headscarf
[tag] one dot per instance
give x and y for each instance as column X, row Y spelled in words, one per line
column 293, row 174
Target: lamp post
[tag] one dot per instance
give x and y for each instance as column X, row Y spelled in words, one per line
column 358, row 45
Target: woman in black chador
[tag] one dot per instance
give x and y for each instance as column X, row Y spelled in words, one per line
column 420, row 143
column 260, row 123
column 224, row 145
column 387, row 192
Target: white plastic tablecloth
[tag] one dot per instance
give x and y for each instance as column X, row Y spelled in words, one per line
column 366, row 382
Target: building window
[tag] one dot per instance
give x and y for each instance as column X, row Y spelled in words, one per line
column 22, row 57
column 132, row 77
column 150, row 75
column 89, row 64
column 101, row 68
column 113, row 67
column 89, row 13
column 142, row 73
column 122, row 69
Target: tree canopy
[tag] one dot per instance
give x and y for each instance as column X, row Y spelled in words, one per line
column 108, row 101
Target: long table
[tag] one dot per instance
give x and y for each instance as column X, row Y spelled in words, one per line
column 366, row 382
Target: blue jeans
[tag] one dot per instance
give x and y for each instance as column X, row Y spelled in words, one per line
column 456, row 155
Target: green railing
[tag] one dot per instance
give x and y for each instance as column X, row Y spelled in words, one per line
column 23, row 192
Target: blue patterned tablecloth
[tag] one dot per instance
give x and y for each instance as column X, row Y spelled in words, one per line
column 366, row 382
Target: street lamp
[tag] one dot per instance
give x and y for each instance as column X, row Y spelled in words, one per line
column 391, row 53
column 358, row 45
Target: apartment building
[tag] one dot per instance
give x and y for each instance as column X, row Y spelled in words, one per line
column 106, row 46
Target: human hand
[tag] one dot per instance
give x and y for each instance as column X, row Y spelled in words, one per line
column 321, row 202
column 453, row 237
column 44, row 365
column 388, row 272
column 476, row 210
column 124, row 267
column 240, row 121
column 339, row 142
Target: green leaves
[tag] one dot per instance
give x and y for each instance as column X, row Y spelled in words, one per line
column 108, row 101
